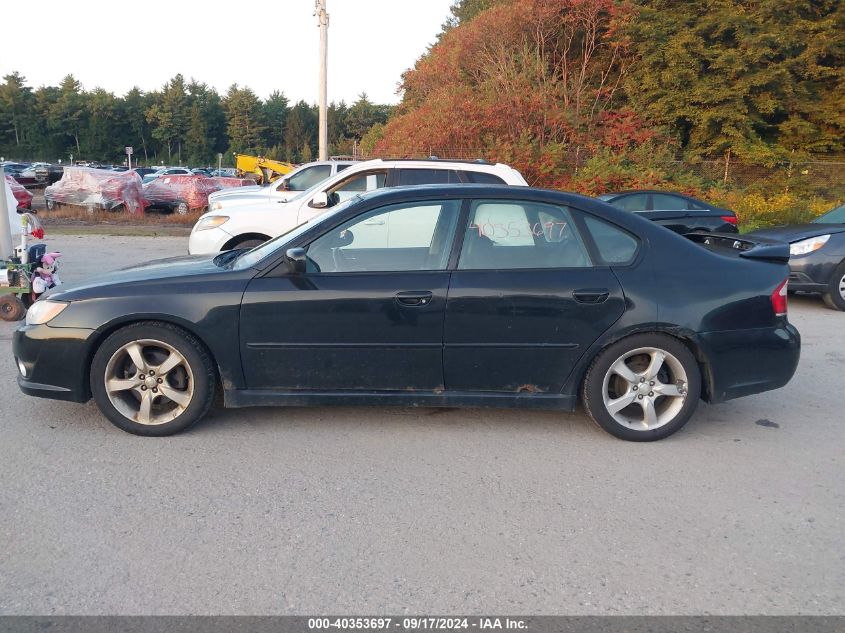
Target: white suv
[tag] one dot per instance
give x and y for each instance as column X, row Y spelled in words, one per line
column 245, row 226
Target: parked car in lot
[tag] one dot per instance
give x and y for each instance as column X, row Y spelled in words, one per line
column 429, row 296
column 300, row 179
column 680, row 213
column 246, row 225
column 23, row 198
column 166, row 171
column 817, row 255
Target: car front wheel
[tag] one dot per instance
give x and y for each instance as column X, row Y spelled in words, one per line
column 835, row 295
column 642, row 388
column 152, row 379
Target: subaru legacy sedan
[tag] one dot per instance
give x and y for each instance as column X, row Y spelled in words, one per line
column 443, row 295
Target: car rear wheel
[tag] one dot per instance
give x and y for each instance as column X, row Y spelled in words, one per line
column 642, row 388
column 181, row 208
column 152, row 379
column 835, row 295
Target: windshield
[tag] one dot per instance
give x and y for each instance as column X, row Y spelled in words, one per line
column 252, row 257
column 834, row 216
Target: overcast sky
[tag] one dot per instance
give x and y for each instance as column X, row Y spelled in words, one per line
column 266, row 45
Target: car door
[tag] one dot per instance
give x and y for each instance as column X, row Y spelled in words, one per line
column 345, row 189
column 526, row 300
column 367, row 313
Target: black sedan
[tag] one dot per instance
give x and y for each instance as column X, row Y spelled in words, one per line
column 680, row 213
column 817, row 249
column 442, row 295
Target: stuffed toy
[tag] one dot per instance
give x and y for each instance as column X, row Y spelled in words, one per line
column 46, row 275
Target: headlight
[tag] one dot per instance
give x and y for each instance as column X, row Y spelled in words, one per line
column 216, row 206
column 43, row 311
column 809, row 245
column 211, row 222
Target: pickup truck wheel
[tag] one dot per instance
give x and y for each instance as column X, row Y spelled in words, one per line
column 642, row 388
column 152, row 379
column 835, row 295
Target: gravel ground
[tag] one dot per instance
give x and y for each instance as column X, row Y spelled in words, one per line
column 259, row 511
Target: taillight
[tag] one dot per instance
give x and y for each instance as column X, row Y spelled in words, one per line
column 779, row 299
column 730, row 219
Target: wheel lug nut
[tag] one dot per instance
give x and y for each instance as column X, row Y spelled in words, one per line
column 144, row 388
column 155, row 389
column 160, row 381
column 640, row 396
column 635, row 387
column 651, row 383
column 651, row 393
column 152, row 373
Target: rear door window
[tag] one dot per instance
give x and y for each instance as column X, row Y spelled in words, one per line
column 634, row 202
column 515, row 234
column 668, row 202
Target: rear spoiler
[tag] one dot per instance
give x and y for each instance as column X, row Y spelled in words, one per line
column 748, row 247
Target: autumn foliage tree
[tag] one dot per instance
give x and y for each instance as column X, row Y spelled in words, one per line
column 530, row 82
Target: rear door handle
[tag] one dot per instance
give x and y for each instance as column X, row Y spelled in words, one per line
column 414, row 298
column 591, row 295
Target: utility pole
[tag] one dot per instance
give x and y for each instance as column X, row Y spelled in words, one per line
column 323, row 23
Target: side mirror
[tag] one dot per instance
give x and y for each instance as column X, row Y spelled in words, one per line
column 297, row 258
column 319, row 201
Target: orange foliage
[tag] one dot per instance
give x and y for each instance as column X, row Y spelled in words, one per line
column 530, row 82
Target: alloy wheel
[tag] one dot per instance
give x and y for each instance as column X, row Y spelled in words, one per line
column 149, row 382
column 645, row 388
column 842, row 287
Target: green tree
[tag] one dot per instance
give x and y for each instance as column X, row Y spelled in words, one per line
column 67, row 117
column 301, row 130
column 275, row 114
column 15, row 101
column 170, row 115
column 758, row 80
column 244, row 120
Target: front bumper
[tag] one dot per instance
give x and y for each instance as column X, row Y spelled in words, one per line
column 744, row 362
column 56, row 361
column 812, row 273
column 208, row 242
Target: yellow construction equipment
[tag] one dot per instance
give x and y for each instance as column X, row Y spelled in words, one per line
column 260, row 169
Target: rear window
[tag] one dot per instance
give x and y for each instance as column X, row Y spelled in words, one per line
column 483, row 178
column 615, row 245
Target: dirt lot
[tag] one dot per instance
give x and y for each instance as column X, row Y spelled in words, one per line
column 395, row 510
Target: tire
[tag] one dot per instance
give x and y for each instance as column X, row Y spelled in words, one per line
column 11, row 308
column 678, row 374
column 181, row 208
column 190, row 381
column 835, row 295
column 52, row 205
column 250, row 243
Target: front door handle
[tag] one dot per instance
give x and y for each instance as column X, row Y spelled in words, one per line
column 591, row 295
column 414, row 298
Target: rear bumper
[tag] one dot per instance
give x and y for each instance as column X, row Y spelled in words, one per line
column 56, row 361
column 744, row 362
